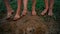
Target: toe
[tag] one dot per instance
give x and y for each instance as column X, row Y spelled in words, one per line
column 16, row 18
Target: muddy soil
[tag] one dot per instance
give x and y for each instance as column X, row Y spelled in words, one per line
column 29, row 25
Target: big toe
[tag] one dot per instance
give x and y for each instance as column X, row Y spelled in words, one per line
column 16, row 18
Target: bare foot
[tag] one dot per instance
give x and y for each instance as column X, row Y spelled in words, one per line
column 33, row 13
column 24, row 12
column 44, row 12
column 9, row 14
column 16, row 17
column 50, row 13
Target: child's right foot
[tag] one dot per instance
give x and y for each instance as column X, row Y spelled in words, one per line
column 16, row 17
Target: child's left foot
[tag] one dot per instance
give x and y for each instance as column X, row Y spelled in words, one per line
column 34, row 13
column 50, row 13
column 9, row 14
column 24, row 12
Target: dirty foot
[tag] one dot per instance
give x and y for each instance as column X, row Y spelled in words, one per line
column 50, row 13
column 16, row 17
column 34, row 13
column 9, row 14
column 44, row 12
column 24, row 12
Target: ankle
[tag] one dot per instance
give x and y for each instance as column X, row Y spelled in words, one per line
column 25, row 9
column 17, row 15
column 46, row 8
column 33, row 10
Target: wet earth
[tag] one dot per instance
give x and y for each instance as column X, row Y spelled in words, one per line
column 30, row 25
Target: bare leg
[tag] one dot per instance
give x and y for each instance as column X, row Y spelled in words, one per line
column 46, row 8
column 9, row 9
column 50, row 13
column 25, row 2
column 33, row 7
column 17, row 16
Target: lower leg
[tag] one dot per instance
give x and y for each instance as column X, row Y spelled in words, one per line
column 46, row 8
column 17, row 16
column 25, row 2
column 51, row 8
column 33, row 7
column 9, row 9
